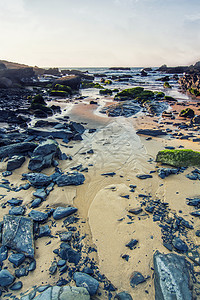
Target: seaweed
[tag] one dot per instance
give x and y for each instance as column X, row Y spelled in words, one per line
column 179, row 158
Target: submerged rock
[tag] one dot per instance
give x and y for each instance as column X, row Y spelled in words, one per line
column 171, row 277
column 179, row 158
column 18, row 234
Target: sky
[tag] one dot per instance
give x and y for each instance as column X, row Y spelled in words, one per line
column 86, row 33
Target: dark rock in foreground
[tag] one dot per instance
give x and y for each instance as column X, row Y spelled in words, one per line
column 136, row 279
column 65, row 292
column 171, row 277
column 123, row 296
column 6, row 278
column 85, row 280
column 17, row 149
column 18, row 234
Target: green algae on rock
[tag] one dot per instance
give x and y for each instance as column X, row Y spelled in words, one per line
column 89, row 84
column 187, row 113
column 105, row 92
column 166, row 85
column 169, row 98
column 179, row 158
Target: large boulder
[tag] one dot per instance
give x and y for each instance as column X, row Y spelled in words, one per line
column 72, row 81
column 58, row 134
column 17, row 149
column 179, row 158
column 62, row 293
column 19, row 76
column 171, row 277
column 5, row 82
column 62, row 212
column 18, row 234
column 43, row 155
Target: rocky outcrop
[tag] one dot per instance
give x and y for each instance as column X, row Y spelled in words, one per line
column 19, row 76
column 191, row 83
column 72, row 81
column 171, row 277
column 44, row 155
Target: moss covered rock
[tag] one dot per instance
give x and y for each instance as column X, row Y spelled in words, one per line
column 159, row 95
column 105, row 92
column 108, row 81
column 61, row 87
column 169, row 98
column 179, row 158
column 128, row 94
column 194, row 92
column 166, row 85
column 38, row 100
column 187, row 113
column 90, row 84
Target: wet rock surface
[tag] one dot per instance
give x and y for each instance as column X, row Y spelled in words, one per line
column 172, row 278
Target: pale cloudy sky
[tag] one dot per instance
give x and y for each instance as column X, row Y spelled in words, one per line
column 100, row 32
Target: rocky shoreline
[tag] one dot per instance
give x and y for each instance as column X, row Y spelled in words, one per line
column 50, row 162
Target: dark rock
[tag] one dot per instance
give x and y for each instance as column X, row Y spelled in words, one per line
column 38, row 216
column 151, row 132
column 165, row 172
column 86, row 281
column 179, row 244
column 18, row 234
column 67, row 253
column 15, row 202
column 16, row 286
column 40, row 193
column 21, row 272
column 109, row 174
column 38, row 179
column 62, row 212
column 66, row 236
column 187, row 113
column 135, row 211
column 144, row 176
column 77, row 127
column 74, row 178
column 132, row 244
column 136, row 278
column 15, row 162
column 17, row 148
column 6, row 173
column 32, row 266
column 123, row 296
column 17, row 259
column 17, row 211
column 44, row 231
column 43, row 156
column 3, row 253
column 171, row 277
column 6, row 278
column 36, row 202
column 58, row 134
column 53, row 268
column 60, row 291
column 195, row 213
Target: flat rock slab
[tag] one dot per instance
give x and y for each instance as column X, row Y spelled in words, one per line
column 38, row 179
column 74, row 178
column 18, row 234
column 62, row 212
column 18, row 148
column 171, row 277
column 62, row 293
column 151, row 132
